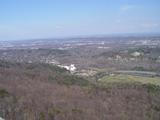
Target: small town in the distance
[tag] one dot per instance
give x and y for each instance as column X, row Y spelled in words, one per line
column 79, row 59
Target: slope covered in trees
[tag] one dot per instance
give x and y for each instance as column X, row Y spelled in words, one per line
column 45, row 92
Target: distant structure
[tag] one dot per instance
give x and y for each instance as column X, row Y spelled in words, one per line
column 136, row 54
column 71, row 68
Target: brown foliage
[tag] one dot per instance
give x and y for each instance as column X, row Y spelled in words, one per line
column 29, row 95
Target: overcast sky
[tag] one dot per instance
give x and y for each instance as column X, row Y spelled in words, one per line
column 28, row 19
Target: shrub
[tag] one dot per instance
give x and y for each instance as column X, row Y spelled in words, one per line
column 152, row 88
column 3, row 93
column 77, row 110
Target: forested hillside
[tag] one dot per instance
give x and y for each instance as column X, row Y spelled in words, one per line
column 46, row 92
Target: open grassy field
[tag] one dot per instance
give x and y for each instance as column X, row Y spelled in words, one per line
column 120, row 78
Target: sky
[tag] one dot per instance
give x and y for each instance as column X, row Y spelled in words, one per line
column 30, row 19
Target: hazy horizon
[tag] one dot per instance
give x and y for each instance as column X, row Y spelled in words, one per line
column 59, row 18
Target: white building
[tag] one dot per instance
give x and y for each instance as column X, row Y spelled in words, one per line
column 71, row 68
column 136, row 54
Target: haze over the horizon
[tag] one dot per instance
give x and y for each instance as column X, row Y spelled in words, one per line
column 25, row 19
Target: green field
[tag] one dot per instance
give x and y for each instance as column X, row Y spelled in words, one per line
column 120, row 78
